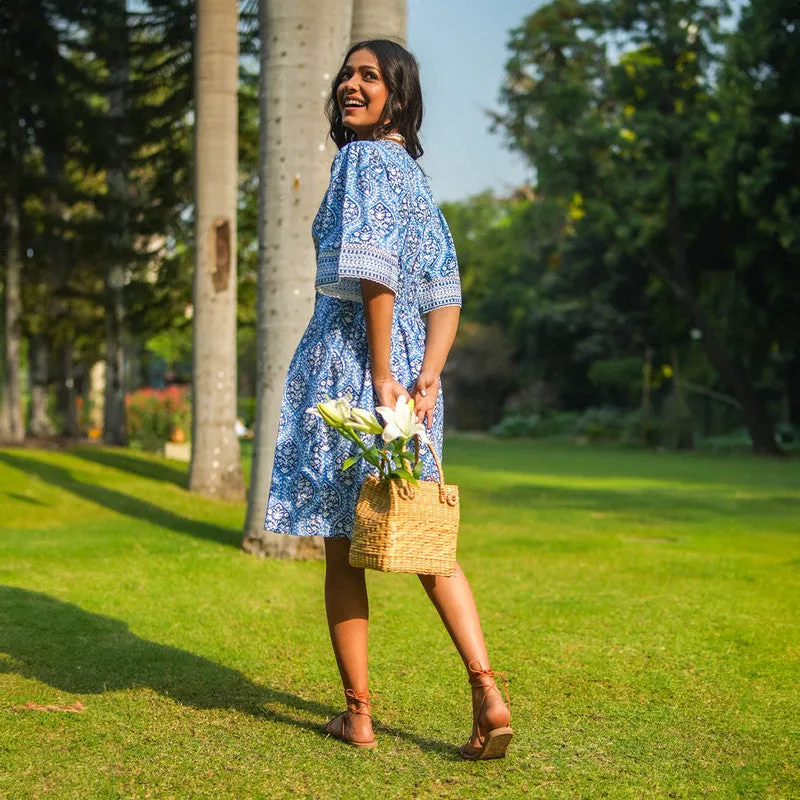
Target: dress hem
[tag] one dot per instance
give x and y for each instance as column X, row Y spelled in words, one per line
column 310, row 535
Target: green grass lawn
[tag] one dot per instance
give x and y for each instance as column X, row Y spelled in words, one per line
column 644, row 605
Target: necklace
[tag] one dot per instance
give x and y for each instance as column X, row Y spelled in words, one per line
column 396, row 137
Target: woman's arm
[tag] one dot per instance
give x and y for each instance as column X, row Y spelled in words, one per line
column 441, row 324
column 378, row 311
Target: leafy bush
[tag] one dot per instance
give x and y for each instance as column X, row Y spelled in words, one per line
column 479, row 368
column 788, row 436
column 673, row 428
column 154, row 413
column 677, row 424
column 623, row 375
column 555, row 423
column 736, row 441
column 604, row 424
column 739, row 441
column 515, row 425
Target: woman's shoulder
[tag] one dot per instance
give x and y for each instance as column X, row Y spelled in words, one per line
column 367, row 168
column 369, row 152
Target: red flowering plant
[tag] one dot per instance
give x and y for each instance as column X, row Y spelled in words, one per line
column 156, row 416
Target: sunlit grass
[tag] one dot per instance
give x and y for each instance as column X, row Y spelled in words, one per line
column 644, row 605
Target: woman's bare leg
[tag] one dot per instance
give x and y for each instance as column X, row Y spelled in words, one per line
column 347, row 609
column 455, row 603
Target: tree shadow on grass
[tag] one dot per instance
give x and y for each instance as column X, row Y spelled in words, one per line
column 134, row 464
column 79, row 652
column 22, row 499
column 119, row 501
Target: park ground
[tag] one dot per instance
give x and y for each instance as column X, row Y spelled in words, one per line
column 644, row 605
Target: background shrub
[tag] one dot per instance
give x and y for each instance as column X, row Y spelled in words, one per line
column 153, row 413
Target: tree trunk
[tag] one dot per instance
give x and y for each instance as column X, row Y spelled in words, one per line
column 39, row 372
column 379, row 19
column 97, row 397
column 684, row 434
column 12, row 393
column 755, row 415
column 66, row 400
column 647, row 408
column 301, row 48
column 114, row 415
column 69, row 395
column 216, row 465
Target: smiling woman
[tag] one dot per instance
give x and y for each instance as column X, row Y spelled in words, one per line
column 362, row 94
column 385, row 316
column 376, row 95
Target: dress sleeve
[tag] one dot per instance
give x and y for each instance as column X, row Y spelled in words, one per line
column 364, row 237
column 441, row 283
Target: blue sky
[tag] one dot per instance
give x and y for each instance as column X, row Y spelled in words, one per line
column 461, row 46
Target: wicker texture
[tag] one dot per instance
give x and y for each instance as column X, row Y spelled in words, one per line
column 400, row 527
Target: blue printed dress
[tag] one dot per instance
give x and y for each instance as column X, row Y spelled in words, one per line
column 378, row 220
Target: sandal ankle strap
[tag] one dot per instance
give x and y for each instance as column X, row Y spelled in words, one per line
column 359, row 702
column 481, row 677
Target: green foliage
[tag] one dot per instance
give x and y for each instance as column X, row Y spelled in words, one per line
column 479, row 375
column 739, row 441
column 617, row 373
column 96, row 148
column 246, row 410
column 605, row 424
column 153, row 415
column 665, row 211
column 174, row 344
column 556, row 423
column 601, row 424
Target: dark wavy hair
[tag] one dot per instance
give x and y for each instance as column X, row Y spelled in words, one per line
column 400, row 73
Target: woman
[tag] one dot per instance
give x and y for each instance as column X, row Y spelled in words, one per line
column 385, row 259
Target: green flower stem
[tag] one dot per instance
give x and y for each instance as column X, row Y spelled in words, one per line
column 389, row 460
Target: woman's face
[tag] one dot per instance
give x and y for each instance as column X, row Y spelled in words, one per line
column 361, row 93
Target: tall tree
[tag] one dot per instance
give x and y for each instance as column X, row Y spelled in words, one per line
column 116, row 29
column 612, row 103
column 12, row 380
column 216, row 464
column 302, row 45
column 759, row 155
column 15, row 27
column 373, row 19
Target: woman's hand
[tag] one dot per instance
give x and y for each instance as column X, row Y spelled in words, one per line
column 424, row 393
column 388, row 391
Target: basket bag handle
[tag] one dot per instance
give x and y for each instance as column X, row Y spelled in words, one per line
column 444, row 497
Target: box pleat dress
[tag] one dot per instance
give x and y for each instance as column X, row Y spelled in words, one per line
column 378, row 221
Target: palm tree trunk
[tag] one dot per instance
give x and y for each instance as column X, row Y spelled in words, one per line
column 302, row 45
column 374, row 19
column 216, row 465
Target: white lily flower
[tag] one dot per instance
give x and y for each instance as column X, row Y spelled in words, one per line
column 335, row 412
column 401, row 423
column 364, row 421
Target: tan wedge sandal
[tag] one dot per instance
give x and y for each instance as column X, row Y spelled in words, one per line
column 357, row 703
column 493, row 743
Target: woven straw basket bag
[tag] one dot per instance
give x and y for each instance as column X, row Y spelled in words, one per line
column 400, row 527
